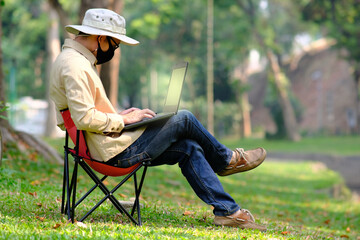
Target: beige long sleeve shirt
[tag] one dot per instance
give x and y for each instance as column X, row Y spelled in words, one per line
column 75, row 84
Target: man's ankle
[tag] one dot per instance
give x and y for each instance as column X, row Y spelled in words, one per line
column 233, row 158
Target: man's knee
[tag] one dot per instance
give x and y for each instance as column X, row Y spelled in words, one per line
column 185, row 113
column 192, row 149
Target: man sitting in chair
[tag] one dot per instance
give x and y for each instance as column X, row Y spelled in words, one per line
column 182, row 139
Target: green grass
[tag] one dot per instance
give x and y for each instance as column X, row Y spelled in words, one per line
column 294, row 200
column 344, row 145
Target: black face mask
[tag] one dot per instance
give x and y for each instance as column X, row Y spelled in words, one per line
column 102, row 56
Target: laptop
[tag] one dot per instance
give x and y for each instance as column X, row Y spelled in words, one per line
column 172, row 100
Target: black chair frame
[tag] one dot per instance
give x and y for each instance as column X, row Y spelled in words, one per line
column 69, row 186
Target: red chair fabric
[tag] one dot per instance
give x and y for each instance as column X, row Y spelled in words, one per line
column 82, row 158
column 85, row 154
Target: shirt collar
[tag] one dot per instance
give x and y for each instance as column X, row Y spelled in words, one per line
column 70, row 43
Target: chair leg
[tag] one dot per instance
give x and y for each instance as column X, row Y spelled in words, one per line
column 137, row 194
column 73, row 183
column 66, row 170
column 103, row 188
column 89, row 192
column 108, row 194
column 70, row 185
column 64, row 183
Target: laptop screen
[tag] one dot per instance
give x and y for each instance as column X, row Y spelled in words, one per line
column 175, row 87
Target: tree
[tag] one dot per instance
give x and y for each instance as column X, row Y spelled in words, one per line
column 171, row 31
column 21, row 140
column 53, row 49
column 210, row 66
column 234, row 45
column 3, row 115
column 264, row 35
column 110, row 70
column 340, row 21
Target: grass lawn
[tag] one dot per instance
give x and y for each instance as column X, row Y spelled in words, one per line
column 294, row 200
column 341, row 145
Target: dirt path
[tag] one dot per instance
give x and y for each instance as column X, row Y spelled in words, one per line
column 348, row 167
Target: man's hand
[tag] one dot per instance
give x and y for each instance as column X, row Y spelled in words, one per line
column 126, row 111
column 133, row 115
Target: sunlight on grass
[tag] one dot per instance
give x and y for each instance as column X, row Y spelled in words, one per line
column 341, row 145
column 295, row 201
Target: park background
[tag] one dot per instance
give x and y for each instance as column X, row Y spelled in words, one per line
column 279, row 74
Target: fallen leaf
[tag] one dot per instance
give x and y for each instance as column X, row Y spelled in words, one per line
column 40, row 218
column 39, row 204
column 33, row 156
column 168, row 195
column 187, row 213
column 36, row 182
column 285, row 232
column 348, row 229
column 122, row 195
column 327, row 221
column 56, row 226
column 344, row 236
column 34, row 194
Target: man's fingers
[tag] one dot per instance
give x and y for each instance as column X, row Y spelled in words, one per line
column 127, row 111
column 148, row 116
column 149, row 113
column 137, row 115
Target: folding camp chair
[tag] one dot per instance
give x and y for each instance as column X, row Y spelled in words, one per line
column 82, row 157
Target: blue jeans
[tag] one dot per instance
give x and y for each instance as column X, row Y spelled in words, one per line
column 183, row 139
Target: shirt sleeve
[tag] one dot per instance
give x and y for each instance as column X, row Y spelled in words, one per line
column 86, row 96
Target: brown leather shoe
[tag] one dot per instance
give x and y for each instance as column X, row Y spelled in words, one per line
column 241, row 219
column 245, row 161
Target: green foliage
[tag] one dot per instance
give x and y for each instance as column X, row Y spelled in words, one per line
column 3, row 108
column 341, row 21
column 23, row 43
column 227, row 115
column 276, row 112
column 171, row 31
column 295, row 202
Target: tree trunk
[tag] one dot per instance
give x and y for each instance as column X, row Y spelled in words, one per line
column 86, row 4
column 357, row 107
column 210, row 67
column 63, row 17
column 109, row 75
column 25, row 142
column 281, row 83
column 243, row 123
column 109, row 72
column 53, row 50
column 245, row 109
column 2, row 92
column 1, row 148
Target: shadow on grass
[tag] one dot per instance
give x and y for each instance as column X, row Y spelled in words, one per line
column 288, row 197
column 297, row 195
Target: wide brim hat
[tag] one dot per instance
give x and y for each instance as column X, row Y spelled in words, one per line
column 99, row 21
